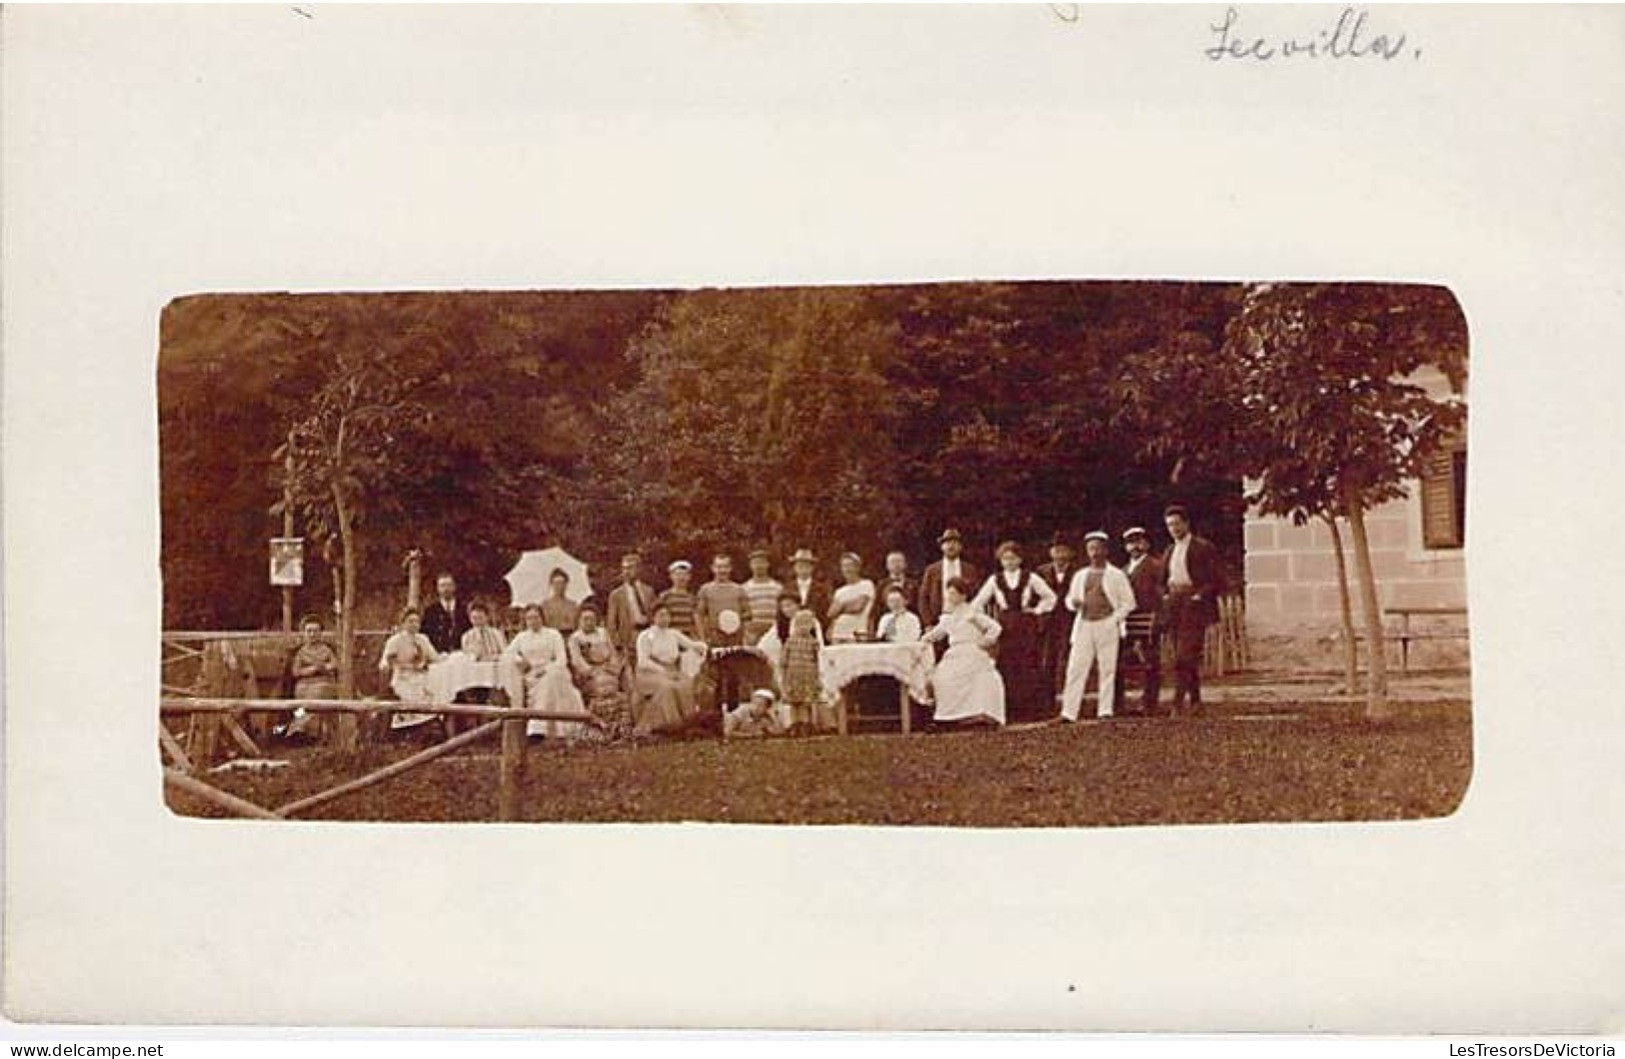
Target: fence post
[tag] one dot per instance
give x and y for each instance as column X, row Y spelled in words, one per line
column 513, row 760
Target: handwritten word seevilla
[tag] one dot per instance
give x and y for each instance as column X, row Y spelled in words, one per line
column 1350, row 37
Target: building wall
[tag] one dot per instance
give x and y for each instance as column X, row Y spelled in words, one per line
column 1291, row 578
column 1292, row 573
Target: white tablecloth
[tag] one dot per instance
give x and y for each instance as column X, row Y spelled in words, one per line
column 910, row 663
column 458, row 672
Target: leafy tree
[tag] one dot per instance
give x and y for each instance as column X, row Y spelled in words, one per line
column 753, row 416
column 344, row 462
column 1336, row 422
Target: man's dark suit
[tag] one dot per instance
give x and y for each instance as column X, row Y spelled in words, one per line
column 445, row 628
column 1145, row 648
column 1056, row 646
column 1188, row 612
column 931, row 589
column 816, row 599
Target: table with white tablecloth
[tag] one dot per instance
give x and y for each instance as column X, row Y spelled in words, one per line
column 910, row 664
column 457, row 672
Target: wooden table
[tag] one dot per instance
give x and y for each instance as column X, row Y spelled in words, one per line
column 910, row 664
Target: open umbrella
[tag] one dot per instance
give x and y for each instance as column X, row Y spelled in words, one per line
column 527, row 581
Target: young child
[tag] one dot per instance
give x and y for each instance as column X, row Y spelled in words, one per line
column 754, row 719
column 800, row 668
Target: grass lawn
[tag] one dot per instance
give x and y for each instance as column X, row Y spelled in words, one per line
column 1241, row 763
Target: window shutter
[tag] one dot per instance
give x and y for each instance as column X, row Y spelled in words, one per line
column 1440, row 528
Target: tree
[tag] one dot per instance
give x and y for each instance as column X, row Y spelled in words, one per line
column 344, row 462
column 753, row 415
column 1337, row 422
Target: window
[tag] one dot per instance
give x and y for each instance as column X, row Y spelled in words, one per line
column 1444, row 497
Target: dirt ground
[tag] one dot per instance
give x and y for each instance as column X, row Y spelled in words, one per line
column 1258, row 755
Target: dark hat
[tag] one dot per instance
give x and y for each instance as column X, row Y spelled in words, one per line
column 803, row 555
column 1176, row 509
column 949, row 534
column 1061, row 539
column 1132, row 532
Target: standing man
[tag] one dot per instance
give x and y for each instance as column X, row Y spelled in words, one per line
column 939, row 573
column 446, row 619
column 815, row 595
column 763, row 591
column 679, row 599
column 1192, row 582
column 1145, row 576
column 1057, row 632
column 721, row 593
column 1102, row 599
column 631, row 608
column 896, row 579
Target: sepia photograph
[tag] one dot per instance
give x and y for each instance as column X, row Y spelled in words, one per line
column 971, row 554
column 887, row 519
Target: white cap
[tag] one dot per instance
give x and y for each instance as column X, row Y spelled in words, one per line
column 680, row 564
column 1096, row 535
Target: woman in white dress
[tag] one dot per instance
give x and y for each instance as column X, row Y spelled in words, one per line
column 405, row 662
column 668, row 661
column 539, row 657
column 851, row 604
column 967, row 684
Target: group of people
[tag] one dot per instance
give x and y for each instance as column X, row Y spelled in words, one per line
column 1018, row 645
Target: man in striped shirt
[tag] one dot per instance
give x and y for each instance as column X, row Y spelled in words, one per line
column 679, row 599
column 762, row 591
column 721, row 593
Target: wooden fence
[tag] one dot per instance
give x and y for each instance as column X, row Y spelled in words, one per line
column 184, row 763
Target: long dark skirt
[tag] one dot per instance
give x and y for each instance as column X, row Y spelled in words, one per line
column 1028, row 693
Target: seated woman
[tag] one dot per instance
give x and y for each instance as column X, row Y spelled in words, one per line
column 314, row 669
column 483, row 642
column 597, row 668
column 405, row 663
column 849, row 607
column 665, row 685
column 967, row 684
column 542, row 662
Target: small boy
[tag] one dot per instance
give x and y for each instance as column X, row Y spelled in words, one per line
column 754, row 719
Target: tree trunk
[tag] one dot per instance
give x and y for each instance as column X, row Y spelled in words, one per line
column 414, row 579
column 1345, row 603
column 347, row 601
column 1376, row 688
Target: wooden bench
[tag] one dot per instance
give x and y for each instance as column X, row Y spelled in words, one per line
column 1406, row 633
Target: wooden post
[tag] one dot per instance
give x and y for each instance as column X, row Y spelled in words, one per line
column 904, row 709
column 414, row 578
column 513, row 765
column 203, row 729
column 287, row 527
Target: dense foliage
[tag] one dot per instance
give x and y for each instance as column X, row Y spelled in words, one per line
column 686, row 422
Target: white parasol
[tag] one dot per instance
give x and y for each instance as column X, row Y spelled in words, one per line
column 527, row 581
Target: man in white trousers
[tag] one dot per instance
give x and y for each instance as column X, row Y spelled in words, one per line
column 1102, row 598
